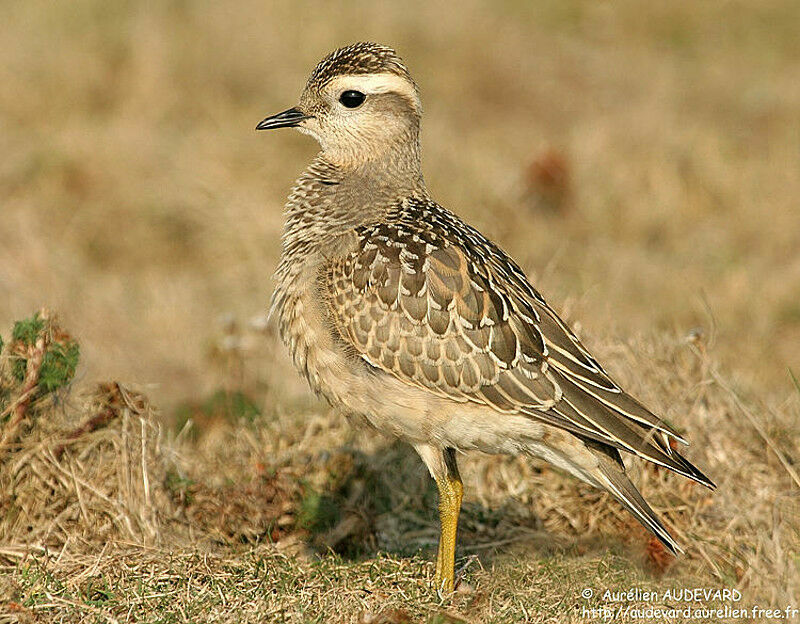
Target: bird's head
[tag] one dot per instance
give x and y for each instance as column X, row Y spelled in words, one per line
column 359, row 103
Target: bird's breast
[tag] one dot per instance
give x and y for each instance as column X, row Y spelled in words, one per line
column 306, row 332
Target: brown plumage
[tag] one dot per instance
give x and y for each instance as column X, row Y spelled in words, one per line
column 410, row 319
column 462, row 320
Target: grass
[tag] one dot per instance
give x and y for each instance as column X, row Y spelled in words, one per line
column 639, row 161
column 296, row 517
column 261, row 584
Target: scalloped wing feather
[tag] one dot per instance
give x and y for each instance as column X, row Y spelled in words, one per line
column 429, row 300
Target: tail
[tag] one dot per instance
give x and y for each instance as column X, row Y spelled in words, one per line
column 612, row 477
column 624, row 424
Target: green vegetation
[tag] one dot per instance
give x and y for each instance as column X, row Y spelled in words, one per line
column 59, row 361
column 221, row 406
column 318, row 512
column 58, row 366
column 27, row 330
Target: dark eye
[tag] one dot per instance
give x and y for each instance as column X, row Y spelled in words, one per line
column 352, row 99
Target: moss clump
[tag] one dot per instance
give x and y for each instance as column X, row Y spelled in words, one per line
column 18, row 368
column 58, row 366
column 27, row 330
column 60, row 359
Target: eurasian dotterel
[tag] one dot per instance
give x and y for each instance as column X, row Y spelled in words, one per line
column 411, row 320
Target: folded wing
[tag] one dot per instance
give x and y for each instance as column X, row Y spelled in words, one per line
column 428, row 299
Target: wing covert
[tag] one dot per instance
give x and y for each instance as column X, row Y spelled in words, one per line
column 429, row 300
column 415, row 304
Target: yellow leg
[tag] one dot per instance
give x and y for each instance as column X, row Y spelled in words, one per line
column 451, row 491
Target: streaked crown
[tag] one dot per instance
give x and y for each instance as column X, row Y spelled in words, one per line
column 364, row 57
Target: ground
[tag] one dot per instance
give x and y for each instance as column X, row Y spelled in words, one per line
column 641, row 163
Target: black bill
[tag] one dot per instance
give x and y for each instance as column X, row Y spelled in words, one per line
column 287, row 119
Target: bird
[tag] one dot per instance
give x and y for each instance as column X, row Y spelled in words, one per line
column 414, row 323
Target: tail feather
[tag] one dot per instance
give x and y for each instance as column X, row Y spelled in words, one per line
column 613, row 479
column 613, row 427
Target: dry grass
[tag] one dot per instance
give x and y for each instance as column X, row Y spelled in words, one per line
column 639, row 160
column 293, row 516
